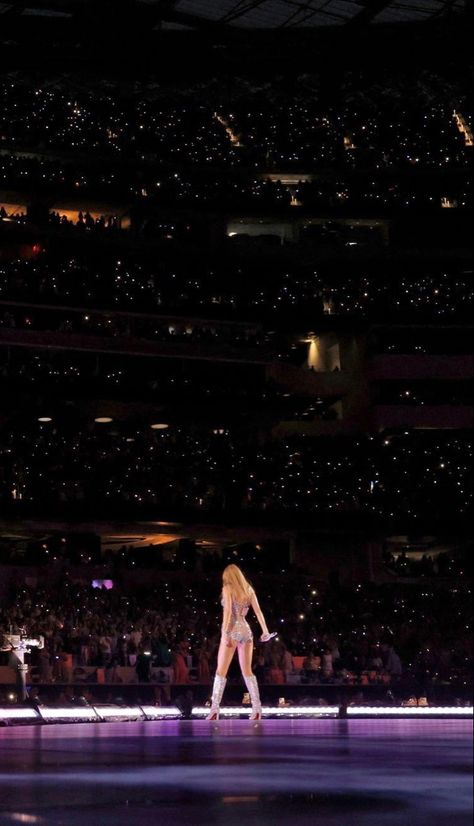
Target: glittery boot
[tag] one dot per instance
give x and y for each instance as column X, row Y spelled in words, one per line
column 217, row 692
column 252, row 686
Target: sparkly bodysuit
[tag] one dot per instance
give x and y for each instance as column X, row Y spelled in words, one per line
column 240, row 630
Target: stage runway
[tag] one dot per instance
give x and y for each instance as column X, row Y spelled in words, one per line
column 335, row 772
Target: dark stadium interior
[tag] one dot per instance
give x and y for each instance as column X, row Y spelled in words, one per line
column 236, row 291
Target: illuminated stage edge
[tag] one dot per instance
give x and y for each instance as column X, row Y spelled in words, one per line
column 15, row 715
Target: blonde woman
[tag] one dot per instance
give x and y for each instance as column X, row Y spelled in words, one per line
column 237, row 597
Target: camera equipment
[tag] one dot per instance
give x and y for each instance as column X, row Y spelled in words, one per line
column 18, row 645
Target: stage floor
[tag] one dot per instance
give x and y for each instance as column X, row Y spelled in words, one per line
column 325, row 772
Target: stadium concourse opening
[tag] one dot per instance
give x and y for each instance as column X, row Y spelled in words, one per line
column 236, row 296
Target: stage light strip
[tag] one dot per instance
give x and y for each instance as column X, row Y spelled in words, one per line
column 18, row 714
column 272, row 711
column 119, row 712
column 76, row 713
column 159, row 712
column 136, row 713
column 89, row 713
column 410, row 711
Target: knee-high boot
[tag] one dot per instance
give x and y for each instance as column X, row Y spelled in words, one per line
column 252, row 686
column 217, row 692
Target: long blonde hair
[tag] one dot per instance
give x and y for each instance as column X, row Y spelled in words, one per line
column 233, row 578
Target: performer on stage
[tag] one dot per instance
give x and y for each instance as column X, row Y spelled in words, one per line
column 237, row 597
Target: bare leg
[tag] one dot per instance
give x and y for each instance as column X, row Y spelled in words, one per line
column 224, row 658
column 245, row 658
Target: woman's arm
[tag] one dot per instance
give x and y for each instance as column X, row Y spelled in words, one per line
column 258, row 613
column 227, row 612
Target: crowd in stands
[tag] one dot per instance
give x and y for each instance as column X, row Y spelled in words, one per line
column 105, row 376
column 152, row 157
column 375, row 124
column 406, row 121
column 221, row 398
column 189, row 189
column 427, row 565
column 410, row 474
column 372, row 143
column 362, row 148
column 396, row 128
column 226, row 396
column 85, row 221
column 364, row 634
column 174, row 126
column 70, row 320
column 88, row 375
column 232, row 289
column 424, row 392
column 417, row 340
column 57, row 220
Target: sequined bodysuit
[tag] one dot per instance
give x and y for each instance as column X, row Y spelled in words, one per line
column 240, row 630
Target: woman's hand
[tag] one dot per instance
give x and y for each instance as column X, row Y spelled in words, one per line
column 267, row 637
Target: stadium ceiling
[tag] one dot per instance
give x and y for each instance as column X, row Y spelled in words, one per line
column 225, row 15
